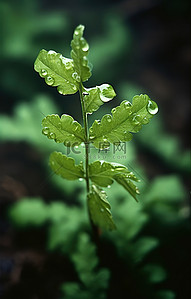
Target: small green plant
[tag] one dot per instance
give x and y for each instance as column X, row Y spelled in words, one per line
column 68, row 75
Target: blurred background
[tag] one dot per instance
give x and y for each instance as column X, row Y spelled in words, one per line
column 46, row 249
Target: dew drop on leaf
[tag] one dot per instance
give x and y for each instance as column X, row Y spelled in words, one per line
column 152, row 107
column 76, row 32
column 80, row 179
column 51, row 52
column 52, row 135
column 113, row 110
column 84, row 61
column 109, row 187
column 74, row 87
column 43, row 73
column 60, row 90
column 109, row 118
column 136, row 119
column 76, row 77
column 68, row 66
column 45, row 131
column 127, row 104
column 49, row 80
column 102, row 210
column 144, row 120
column 85, row 47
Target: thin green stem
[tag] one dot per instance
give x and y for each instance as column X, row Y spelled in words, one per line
column 85, row 122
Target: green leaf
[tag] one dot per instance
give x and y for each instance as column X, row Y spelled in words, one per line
column 127, row 184
column 79, row 52
column 127, row 118
column 65, row 166
column 99, row 209
column 63, row 130
column 104, row 173
column 96, row 96
column 57, row 71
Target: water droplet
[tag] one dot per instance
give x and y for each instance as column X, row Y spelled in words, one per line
column 51, row 52
column 103, row 192
column 85, row 47
column 49, row 80
column 102, row 210
column 74, row 87
column 53, row 163
column 113, row 110
column 84, row 61
column 76, row 32
column 43, row 73
column 127, row 104
column 152, row 107
column 109, row 118
column 137, row 190
column 137, row 119
column 52, row 136
column 109, row 187
column 68, row 65
column 104, row 99
column 45, row 131
column 80, row 179
column 60, row 90
column 145, row 121
column 76, row 77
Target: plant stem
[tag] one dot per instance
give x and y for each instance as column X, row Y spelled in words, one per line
column 85, row 121
column 95, row 229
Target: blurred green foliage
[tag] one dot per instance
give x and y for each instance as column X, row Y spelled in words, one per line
column 66, row 226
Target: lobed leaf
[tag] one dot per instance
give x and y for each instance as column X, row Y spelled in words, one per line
column 96, row 96
column 63, row 130
column 99, row 209
column 127, row 184
column 103, row 174
column 79, row 52
column 127, row 118
column 57, row 71
column 65, row 166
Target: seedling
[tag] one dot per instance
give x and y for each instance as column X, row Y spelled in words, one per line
column 68, row 76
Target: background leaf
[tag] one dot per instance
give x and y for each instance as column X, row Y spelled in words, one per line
column 57, row 71
column 126, row 118
column 65, row 166
column 79, row 52
column 64, row 129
